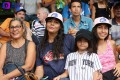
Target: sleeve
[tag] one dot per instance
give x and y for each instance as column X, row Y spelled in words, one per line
column 65, row 27
column 72, row 43
column 39, row 61
column 97, row 63
column 90, row 24
column 65, row 12
column 67, row 62
column 87, row 10
column 27, row 24
column 5, row 24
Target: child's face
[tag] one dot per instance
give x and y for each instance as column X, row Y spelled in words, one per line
column 82, row 44
column 102, row 31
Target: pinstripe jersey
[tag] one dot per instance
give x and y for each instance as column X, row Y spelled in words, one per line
column 82, row 66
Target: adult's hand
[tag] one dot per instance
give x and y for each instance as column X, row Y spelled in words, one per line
column 117, row 70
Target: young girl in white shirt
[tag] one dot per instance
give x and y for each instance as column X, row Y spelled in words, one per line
column 82, row 64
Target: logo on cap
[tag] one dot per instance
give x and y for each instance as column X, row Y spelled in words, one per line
column 21, row 7
column 103, row 20
column 54, row 15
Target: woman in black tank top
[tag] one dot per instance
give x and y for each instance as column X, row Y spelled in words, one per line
column 101, row 9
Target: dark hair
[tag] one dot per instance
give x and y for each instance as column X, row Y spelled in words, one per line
column 90, row 45
column 57, row 44
column 96, row 38
column 116, row 5
column 70, row 4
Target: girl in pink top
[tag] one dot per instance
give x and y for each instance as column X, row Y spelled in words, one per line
column 105, row 49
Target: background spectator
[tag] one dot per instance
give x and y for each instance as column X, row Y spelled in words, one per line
column 101, row 9
column 76, row 22
column 115, row 29
column 4, row 27
column 31, row 7
column 66, row 13
column 38, row 25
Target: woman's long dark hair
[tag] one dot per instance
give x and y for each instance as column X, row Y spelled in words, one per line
column 96, row 38
column 57, row 44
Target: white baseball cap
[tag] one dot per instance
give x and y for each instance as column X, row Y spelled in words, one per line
column 55, row 15
column 101, row 20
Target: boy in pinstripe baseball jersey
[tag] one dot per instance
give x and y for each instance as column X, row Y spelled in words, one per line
column 82, row 64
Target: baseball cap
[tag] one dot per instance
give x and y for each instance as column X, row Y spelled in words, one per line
column 101, row 20
column 55, row 15
column 17, row 9
column 83, row 33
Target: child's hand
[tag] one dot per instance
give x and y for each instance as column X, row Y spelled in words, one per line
column 97, row 75
column 57, row 78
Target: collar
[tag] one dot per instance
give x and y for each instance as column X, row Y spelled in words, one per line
column 82, row 20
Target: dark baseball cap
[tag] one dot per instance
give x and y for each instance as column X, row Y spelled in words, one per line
column 82, row 33
column 17, row 9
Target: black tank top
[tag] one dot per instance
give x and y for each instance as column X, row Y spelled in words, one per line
column 102, row 12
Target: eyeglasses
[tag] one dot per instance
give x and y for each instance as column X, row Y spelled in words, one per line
column 16, row 27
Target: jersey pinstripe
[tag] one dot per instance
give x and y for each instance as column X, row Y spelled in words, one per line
column 82, row 66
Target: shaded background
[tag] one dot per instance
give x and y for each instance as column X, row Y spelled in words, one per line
column 7, row 8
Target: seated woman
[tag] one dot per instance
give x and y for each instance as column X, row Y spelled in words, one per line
column 18, row 51
column 54, row 48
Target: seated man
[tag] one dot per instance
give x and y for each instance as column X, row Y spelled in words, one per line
column 38, row 25
column 67, row 14
column 77, row 21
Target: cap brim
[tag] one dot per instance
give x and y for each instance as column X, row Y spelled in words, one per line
column 48, row 18
column 83, row 36
column 109, row 25
column 22, row 10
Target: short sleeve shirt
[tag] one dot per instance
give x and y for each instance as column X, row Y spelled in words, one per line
column 85, row 23
column 82, row 66
column 52, row 67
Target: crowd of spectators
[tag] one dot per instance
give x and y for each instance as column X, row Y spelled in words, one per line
column 56, row 38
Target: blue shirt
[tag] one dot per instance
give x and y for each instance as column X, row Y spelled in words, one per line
column 52, row 67
column 85, row 23
column 85, row 11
